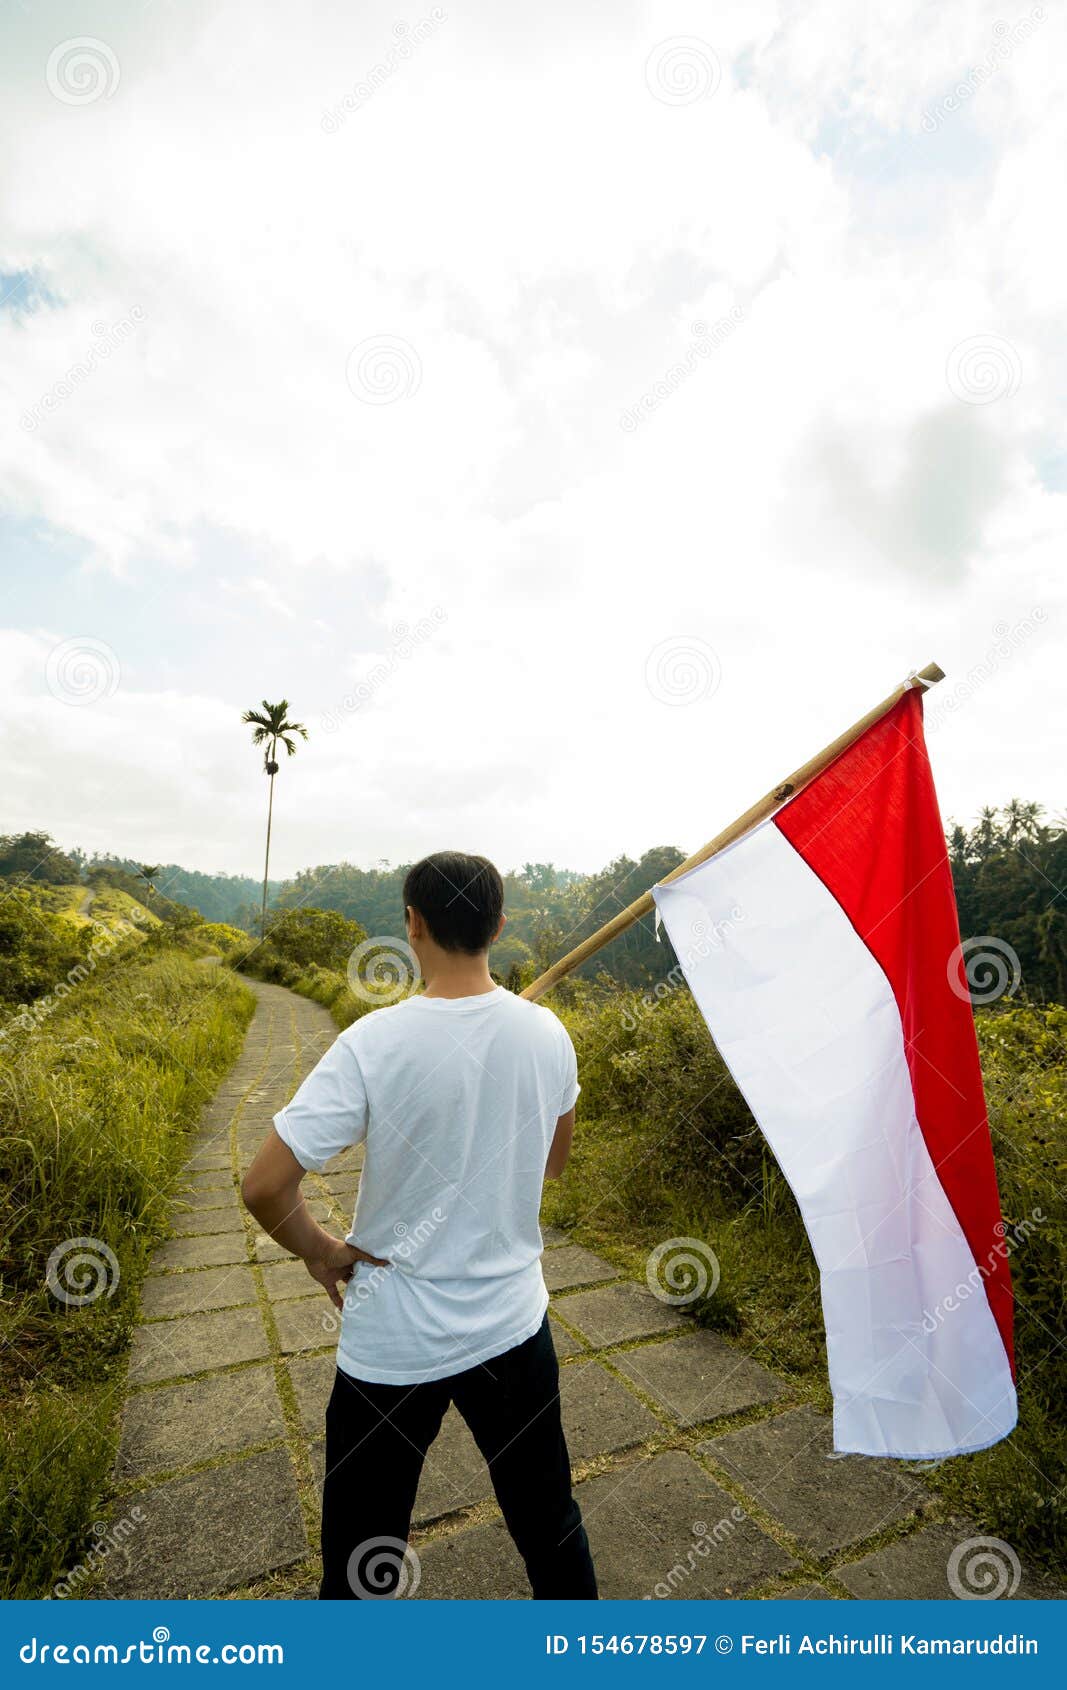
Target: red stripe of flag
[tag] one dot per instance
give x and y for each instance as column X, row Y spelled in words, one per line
column 870, row 828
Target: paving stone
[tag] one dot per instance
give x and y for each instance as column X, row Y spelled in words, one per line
column 312, row 1378
column 565, row 1344
column 199, row 1251
column 185, row 1225
column 210, row 1156
column 209, row 1532
column 310, row 1324
column 195, row 1343
column 618, row 1313
column 267, row 1249
column 917, row 1567
column 481, row 1564
column 171, row 1294
column 783, row 1465
column 290, row 1279
column 212, row 1197
column 599, row 1413
column 662, row 1528
column 342, row 1185
column 698, row 1377
column 804, row 1593
column 571, row 1265
column 208, row 1179
column 553, row 1235
column 454, row 1474
column 178, row 1425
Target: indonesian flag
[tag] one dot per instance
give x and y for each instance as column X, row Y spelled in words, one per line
column 832, row 988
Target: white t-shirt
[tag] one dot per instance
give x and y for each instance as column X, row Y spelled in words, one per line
column 457, row 1100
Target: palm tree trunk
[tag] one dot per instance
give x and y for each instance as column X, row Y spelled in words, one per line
column 266, row 862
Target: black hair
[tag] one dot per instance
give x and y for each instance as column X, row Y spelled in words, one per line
column 460, row 898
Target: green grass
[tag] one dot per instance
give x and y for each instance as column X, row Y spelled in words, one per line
column 95, row 1106
column 666, row 1148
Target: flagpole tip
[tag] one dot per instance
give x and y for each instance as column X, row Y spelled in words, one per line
column 927, row 677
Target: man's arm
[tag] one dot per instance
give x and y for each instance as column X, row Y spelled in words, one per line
column 562, row 1139
column 271, row 1192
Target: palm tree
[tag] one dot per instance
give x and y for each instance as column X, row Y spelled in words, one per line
column 270, row 728
column 148, row 872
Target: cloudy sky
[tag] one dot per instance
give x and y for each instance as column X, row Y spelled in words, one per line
column 579, row 412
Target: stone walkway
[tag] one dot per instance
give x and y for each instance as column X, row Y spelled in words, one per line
column 699, row 1473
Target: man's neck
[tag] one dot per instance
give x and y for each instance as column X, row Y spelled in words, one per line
column 451, row 976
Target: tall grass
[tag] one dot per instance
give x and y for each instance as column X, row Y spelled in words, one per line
column 666, row 1147
column 94, row 1107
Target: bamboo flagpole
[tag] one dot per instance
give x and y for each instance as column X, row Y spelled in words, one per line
column 758, row 812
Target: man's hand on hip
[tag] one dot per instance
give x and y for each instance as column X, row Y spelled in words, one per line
column 334, row 1267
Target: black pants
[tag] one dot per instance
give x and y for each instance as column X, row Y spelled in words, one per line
column 377, row 1437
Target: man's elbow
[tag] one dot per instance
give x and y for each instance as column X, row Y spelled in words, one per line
column 257, row 1191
